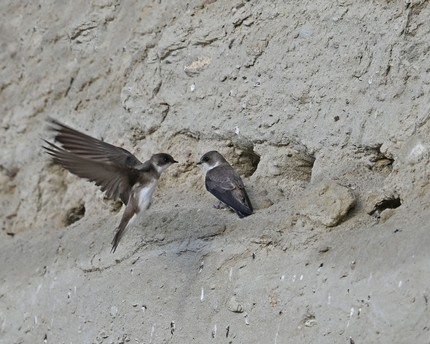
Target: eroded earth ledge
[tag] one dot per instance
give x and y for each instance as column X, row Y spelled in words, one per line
column 321, row 106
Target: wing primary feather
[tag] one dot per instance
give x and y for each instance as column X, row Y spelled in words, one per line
column 112, row 179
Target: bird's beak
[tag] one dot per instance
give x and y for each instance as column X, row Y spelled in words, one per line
column 198, row 163
column 175, row 162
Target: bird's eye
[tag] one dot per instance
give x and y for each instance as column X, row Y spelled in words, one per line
column 205, row 159
column 165, row 160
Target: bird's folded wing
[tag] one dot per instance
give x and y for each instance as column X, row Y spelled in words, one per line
column 229, row 190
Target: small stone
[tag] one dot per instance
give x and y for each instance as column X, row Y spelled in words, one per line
column 385, row 215
column 234, row 306
column 197, row 65
column 113, row 311
column 324, row 249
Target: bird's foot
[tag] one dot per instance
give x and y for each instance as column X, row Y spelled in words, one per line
column 219, row 205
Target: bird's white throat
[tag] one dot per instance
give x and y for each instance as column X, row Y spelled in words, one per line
column 208, row 167
column 161, row 168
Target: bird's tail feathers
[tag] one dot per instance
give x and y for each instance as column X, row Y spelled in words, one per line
column 118, row 235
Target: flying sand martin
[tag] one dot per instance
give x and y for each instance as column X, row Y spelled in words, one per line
column 225, row 184
column 118, row 172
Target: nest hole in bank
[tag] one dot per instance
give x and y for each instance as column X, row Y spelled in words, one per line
column 74, row 214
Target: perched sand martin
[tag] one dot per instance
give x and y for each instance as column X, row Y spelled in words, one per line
column 118, row 172
column 225, row 184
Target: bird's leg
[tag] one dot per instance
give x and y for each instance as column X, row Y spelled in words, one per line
column 219, row 205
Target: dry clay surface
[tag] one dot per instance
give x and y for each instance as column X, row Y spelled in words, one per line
column 322, row 106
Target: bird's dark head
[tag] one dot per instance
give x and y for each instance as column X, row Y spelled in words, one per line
column 162, row 161
column 211, row 160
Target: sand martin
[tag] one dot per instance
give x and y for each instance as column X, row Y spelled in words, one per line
column 118, row 172
column 225, row 184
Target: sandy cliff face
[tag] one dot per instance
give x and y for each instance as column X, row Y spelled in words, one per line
column 323, row 107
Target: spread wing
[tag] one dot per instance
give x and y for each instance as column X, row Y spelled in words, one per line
column 225, row 184
column 112, row 168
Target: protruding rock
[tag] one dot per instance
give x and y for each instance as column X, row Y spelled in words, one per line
column 326, row 203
